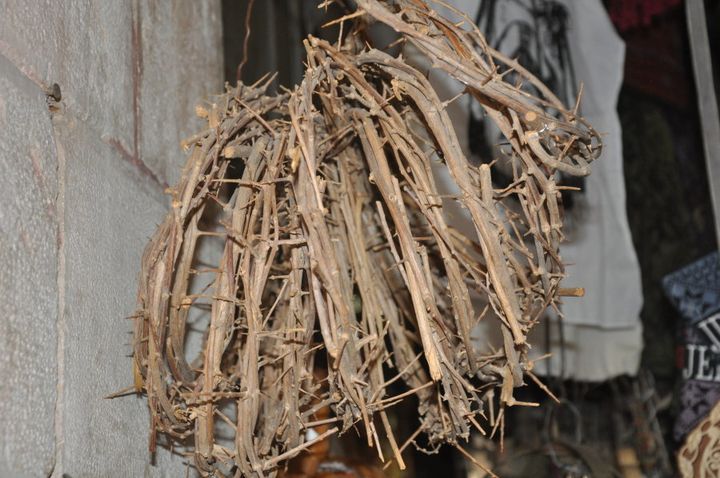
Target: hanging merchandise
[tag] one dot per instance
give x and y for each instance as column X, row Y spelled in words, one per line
column 335, row 259
column 627, row 14
column 695, row 292
column 698, row 458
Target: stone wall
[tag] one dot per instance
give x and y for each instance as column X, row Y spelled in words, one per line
column 82, row 184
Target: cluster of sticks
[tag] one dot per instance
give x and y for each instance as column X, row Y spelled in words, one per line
column 339, row 274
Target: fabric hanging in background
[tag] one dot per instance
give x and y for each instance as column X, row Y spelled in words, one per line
column 671, row 217
column 627, row 14
column 565, row 42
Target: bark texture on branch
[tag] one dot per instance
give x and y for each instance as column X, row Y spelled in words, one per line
column 337, row 254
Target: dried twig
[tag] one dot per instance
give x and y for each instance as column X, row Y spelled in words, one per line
column 337, row 255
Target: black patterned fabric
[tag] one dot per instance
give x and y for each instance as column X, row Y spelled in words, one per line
column 695, row 292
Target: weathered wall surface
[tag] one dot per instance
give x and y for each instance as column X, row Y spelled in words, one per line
column 28, row 278
column 82, row 190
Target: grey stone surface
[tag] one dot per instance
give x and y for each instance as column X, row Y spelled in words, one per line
column 81, row 196
column 111, row 210
column 28, row 278
column 172, row 84
column 87, row 47
column 133, row 69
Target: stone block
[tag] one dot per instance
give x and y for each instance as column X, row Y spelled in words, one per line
column 29, row 277
column 182, row 67
column 112, row 207
column 92, row 49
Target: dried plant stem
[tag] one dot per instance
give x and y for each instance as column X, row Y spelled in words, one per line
column 337, row 274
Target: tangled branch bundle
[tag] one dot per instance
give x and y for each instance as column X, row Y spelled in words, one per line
column 339, row 274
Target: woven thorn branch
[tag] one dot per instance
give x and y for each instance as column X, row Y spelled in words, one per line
column 339, row 275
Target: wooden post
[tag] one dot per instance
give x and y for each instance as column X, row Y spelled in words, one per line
column 707, row 100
